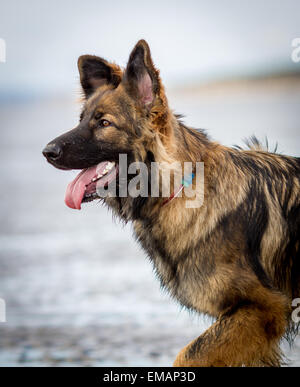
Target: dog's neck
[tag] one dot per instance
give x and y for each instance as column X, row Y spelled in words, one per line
column 182, row 144
column 187, row 145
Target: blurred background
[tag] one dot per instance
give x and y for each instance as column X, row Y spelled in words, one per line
column 78, row 289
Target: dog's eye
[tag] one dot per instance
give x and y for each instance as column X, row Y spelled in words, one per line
column 104, row 123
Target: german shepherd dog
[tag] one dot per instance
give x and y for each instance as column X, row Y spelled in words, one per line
column 236, row 257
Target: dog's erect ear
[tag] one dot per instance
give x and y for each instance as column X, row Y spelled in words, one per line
column 95, row 72
column 141, row 77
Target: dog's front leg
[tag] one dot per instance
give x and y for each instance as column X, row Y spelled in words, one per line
column 247, row 335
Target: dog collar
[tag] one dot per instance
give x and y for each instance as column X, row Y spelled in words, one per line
column 185, row 183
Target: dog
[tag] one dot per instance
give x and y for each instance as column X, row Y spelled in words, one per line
column 237, row 256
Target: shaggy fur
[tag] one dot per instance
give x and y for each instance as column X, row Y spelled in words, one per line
column 237, row 257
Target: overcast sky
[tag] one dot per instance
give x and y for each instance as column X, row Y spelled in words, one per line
column 190, row 40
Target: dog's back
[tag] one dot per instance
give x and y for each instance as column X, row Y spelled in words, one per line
column 276, row 206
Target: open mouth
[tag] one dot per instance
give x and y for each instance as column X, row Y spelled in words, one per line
column 84, row 187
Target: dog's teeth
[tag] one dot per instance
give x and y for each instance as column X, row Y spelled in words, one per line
column 97, row 177
column 108, row 167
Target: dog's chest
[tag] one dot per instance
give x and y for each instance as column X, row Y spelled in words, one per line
column 175, row 267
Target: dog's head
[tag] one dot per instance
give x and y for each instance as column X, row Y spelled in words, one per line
column 123, row 113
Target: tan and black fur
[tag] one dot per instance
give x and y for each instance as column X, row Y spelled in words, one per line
column 237, row 257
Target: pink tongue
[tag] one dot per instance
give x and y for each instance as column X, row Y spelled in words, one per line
column 76, row 189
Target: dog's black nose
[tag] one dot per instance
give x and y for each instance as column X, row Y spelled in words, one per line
column 52, row 152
